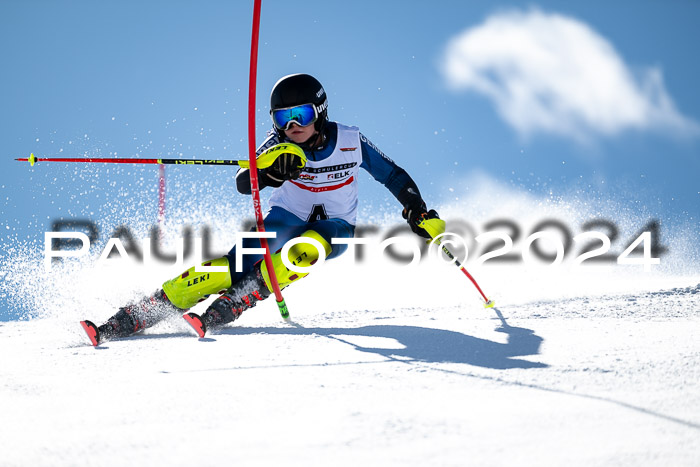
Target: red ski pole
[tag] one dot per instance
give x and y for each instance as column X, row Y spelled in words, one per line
column 487, row 303
column 435, row 236
column 32, row 159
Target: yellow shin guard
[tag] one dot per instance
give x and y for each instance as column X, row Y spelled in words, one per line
column 189, row 288
column 302, row 255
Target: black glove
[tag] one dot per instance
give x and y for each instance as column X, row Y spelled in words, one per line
column 286, row 167
column 414, row 213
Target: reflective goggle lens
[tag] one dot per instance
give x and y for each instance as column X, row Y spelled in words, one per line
column 302, row 115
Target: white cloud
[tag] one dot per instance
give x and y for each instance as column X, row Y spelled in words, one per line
column 551, row 73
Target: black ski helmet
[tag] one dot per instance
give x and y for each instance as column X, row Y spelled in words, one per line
column 300, row 89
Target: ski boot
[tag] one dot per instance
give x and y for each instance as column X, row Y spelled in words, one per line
column 131, row 318
column 256, row 285
column 246, row 293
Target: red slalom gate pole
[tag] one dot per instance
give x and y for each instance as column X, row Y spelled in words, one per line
column 254, row 185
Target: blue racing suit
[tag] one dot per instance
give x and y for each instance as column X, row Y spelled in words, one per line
column 287, row 225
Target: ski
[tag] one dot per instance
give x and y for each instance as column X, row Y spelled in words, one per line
column 92, row 332
column 194, row 320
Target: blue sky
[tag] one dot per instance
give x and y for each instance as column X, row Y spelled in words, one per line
column 544, row 97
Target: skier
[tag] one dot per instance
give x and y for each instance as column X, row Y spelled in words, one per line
column 313, row 171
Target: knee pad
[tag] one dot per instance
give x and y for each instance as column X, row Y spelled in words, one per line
column 190, row 287
column 302, row 255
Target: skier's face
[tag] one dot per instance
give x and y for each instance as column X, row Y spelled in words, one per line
column 300, row 134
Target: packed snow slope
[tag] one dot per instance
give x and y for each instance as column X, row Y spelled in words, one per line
column 381, row 364
column 611, row 380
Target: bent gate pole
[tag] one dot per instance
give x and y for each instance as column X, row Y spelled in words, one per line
column 254, row 186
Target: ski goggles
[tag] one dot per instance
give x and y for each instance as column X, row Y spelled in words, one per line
column 302, row 115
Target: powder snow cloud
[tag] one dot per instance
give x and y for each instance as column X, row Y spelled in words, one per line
column 549, row 73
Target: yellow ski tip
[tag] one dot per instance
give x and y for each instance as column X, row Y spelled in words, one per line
column 489, row 304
